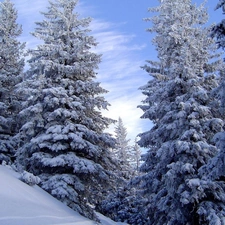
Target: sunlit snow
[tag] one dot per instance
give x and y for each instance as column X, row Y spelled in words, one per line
column 21, row 204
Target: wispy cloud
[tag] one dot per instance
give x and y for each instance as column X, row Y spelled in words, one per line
column 121, row 74
column 28, row 14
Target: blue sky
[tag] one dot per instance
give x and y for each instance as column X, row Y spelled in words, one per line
column 124, row 44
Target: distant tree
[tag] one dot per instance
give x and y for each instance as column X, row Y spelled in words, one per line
column 180, row 105
column 136, row 156
column 124, row 204
column 62, row 136
column 122, row 149
column 11, row 67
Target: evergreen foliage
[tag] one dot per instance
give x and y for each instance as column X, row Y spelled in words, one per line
column 122, row 150
column 212, row 208
column 11, row 67
column 119, row 205
column 126, row 205
column 53, row 118
column 136, row 156
column 180, row 104
column 62, row 133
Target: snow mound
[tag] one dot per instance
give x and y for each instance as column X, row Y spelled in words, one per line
column 22, row 204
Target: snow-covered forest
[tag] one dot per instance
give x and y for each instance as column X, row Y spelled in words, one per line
column 54, row 133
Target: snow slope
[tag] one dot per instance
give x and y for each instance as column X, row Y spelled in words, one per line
column 21, row 204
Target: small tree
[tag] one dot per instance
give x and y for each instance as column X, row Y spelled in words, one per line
column 136, row 156
column 122, row 149
column 62, row 136
column 11, row 67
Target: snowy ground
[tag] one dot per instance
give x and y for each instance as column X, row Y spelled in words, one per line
column 21, row 204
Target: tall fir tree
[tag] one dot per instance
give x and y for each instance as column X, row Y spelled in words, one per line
column 212, row 209
column 11, row 68
column 180, row 105
column 62, row 136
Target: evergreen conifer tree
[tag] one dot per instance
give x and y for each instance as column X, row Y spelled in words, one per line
column 62, row 136
column 179, row 103
column 122, row 149
column 212, row 208
column 136, row 156
column 11, row 67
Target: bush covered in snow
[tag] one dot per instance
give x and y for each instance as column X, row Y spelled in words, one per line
column 29, row 178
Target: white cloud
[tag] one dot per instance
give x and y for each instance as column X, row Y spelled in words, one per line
column 29, row 11
column 28, row 14
column 126, row 108
column 120, row 74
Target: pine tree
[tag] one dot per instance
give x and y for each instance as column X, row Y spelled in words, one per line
column 122, row 149
column 180, row 105
column 121, row 205
column 62, row 136
column 11, row 67
column 136, row 156
column 212, row 209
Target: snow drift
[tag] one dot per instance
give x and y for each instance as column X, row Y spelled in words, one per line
column 21, row 204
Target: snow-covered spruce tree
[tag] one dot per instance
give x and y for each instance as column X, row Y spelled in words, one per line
column 115, row 205
column 212, row 208
column 136, row 156
column 11, row 67
column 122, row 149
column 179, row 103
column 62, row 137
